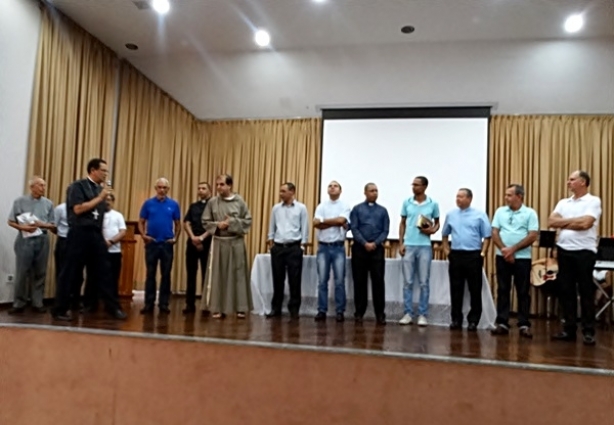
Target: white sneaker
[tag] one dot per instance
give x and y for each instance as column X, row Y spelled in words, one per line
column 422, row 321
column 406, row 320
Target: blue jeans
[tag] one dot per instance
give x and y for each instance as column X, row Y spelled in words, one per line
column 163, row 253
column 331, row 255
column 416, row 266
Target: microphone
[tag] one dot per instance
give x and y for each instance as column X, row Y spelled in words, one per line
column 109, row 184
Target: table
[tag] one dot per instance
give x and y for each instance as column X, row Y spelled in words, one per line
column 439, row 310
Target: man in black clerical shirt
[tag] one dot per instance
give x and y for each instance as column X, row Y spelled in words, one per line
column 85, row 244
column 199, row 243
column 369, row 223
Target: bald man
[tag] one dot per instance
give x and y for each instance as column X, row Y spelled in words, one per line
column 160, row 226
column 33, row 216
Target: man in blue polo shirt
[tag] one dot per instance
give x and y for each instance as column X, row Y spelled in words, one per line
column 514, row 229
column 160, row 226
column 470, row 230
column 419, row 220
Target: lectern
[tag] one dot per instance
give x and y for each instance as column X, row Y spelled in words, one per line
column 126, row 277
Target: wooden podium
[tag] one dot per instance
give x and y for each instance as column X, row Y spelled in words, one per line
column 126, row 277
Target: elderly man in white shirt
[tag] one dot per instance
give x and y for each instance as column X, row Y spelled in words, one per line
column 577, row 218
column 331, row 219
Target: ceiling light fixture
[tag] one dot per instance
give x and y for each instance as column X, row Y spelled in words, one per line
column 408, row 29
column 161, row 6
column 319, row 1
column 262, row 38
column 574, row 23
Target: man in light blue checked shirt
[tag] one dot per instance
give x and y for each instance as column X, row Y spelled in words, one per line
column 288, row 235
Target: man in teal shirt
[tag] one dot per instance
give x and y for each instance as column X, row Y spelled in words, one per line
column 514, row 229
column 419, row 220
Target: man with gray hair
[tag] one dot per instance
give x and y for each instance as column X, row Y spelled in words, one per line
column 514, row 229
column 160, row 226
column 33, row 216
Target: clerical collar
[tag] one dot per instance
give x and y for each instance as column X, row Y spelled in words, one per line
column 90, row 179
column 203, row 201
column 371, row 203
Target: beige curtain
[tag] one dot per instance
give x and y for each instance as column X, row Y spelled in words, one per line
column 155, row 138
column 540, row 152
column 261, row 155
column 72, row 108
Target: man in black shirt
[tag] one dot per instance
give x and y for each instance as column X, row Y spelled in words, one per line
column 199, row 243
column 85, row 244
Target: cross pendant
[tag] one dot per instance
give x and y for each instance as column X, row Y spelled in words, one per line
column 95, row 214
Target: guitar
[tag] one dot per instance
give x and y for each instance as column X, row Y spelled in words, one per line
column 540, row 274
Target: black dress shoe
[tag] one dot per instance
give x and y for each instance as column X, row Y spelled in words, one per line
column 206, row 313
column 358, row 320
column 164, row 310
column 564, row 336
column 340, row 317
column 500, row 330
column 16, row 310
column 64, row 317
column 320, row 317
column 118, row 314
column 473, row 327
column 189, row 310
column 294, row 317
column 589, row 339
column 381, row 320
column 525, row 332
column 148, row 309
column 273, row 314
column 454, row 326
column 39, row 310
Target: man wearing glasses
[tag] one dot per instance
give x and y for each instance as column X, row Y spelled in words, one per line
column 85, row 245
column 514, row 229
column 419, row 220
column 160, row 226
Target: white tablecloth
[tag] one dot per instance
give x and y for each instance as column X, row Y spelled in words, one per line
column 439, row 310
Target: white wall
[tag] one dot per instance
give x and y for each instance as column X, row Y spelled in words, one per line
column 19, row 30
column 538, row 77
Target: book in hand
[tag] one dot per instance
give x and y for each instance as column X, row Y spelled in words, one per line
column 29, row 219
column 423, row 222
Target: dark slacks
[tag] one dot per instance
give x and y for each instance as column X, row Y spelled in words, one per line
column 158, row 253
column 520, row 271
column 466, row 266
column 576, row 277
column 85, row 247
column 194, row 257
column 365, row 264
column 287, row 259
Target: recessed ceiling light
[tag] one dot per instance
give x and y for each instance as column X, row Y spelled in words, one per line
column 319, row 1
column 574, row 23
column 131, row 46
column 408, row 29
column 262, row 38
column 161, row 6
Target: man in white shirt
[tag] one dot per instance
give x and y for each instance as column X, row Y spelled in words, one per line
column 61, row 221
column 113, row 231
column 578, row 219
column 331, row 219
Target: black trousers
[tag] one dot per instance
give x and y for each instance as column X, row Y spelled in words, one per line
column 466, row 266
column 365, row 264
column 576, row 277
column 91, row 296
column 59, row 256
column 192, row 258
column 85, row 247
column 287, row 258
column 520, row 271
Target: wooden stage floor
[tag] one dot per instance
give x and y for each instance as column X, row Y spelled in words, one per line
column 438, row 343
